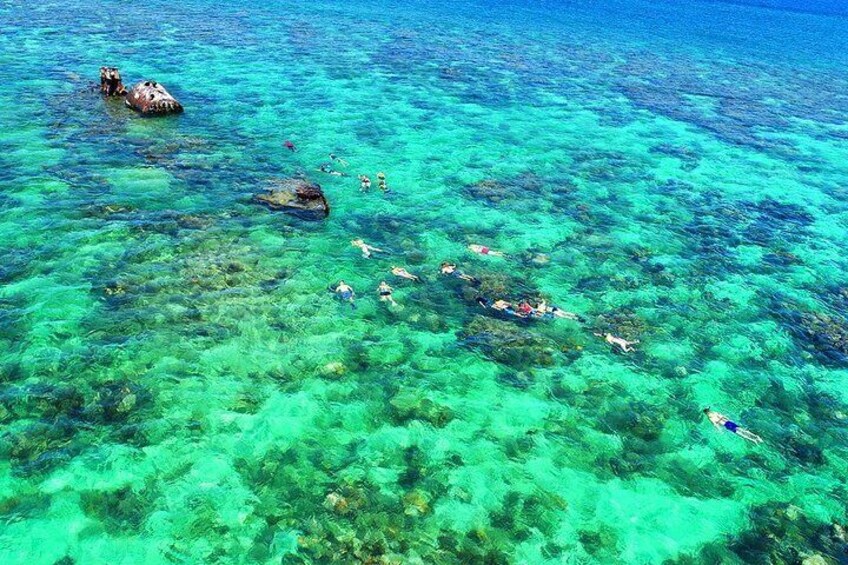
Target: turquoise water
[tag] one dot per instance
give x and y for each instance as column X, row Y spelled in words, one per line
column 177, row 385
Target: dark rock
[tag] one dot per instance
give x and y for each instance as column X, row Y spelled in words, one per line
column 782, row 533
column 411, row 405
column 151, row 99
column 600, row 542
column 782, row 258
column 636, row 419
column 299, row 196
column 495, row 191
column 110, row 82
column 117, row 402
column 122, row 509
column 823, row 335
column 105, row 211
column 623, row 323
column 193, row 221
column 40, row 400
column 40, row 447
column 24, row 503
column 688, row 157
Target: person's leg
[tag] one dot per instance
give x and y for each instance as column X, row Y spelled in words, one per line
column 750, row 436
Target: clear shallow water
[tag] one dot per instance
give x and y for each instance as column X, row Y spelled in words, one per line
column 179, row 387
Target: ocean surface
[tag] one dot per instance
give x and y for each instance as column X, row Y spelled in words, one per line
column 178, row 385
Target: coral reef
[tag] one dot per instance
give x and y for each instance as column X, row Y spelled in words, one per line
column 507, row 343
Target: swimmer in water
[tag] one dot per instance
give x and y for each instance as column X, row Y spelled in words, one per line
column 404, row 274
column 720, row 421
column 449, row 269
column 385, row 292
column 544, row 310
column 339, row 160
column 365, row 248
column 289, row 145
column 505, row 307
column 381, row 182
column 345, row 292
column 622, row 343
column 328, row 168
column 483, row 250
column 364, row 183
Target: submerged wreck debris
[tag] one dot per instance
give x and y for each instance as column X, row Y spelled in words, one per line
column 110, row 82
column 151, row 99
column 299, row 196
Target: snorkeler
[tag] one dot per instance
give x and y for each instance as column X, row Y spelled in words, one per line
column 345, row 292
column 544, row 310
column 483, row 250
column 339, row 160
column 381, row 182
column 505, row 307
column 289, row 145
column 618, row 341
column 366, row 249
column 328, row 168
column 385, row 292
column 721, row 421
column 450, row 270
column 404, row 274
column 364, row 183
column 502, row 306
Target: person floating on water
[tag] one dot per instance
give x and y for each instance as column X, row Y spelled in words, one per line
column 339, row 160
column 364, row 183
column 525, row 310
column 328, row 168
column 507, row 308
column 483, row 250
column 366, row 249
column 345, row 292
column 385, row 292
column 289, row 145
column 381, row 182
column 450, row 270
column 622, row 343
column 721, row 421
column 404, row 274
column 544, row 310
